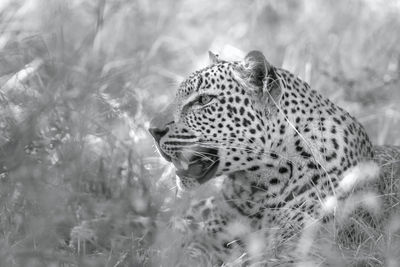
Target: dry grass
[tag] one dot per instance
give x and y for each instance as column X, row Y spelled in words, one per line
column 80, row 182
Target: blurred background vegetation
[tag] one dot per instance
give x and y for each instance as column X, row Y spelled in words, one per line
column 80, row 181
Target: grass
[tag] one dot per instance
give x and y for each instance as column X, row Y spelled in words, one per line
column 80, row 181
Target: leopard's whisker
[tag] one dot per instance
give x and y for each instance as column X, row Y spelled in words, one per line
column 265, row 153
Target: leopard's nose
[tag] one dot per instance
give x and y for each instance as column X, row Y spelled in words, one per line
column 158, row 133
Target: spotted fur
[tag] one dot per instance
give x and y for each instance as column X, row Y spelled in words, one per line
column 283, row 147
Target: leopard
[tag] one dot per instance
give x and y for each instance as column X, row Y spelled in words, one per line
column 286, row 154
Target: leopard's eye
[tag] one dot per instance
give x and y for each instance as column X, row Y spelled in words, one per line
column 205, row 99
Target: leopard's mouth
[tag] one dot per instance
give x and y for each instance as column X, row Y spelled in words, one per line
column 199, row 163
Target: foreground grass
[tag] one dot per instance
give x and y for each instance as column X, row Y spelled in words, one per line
column 81, row 184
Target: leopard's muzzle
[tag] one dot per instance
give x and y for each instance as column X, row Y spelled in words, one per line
column 198, row 163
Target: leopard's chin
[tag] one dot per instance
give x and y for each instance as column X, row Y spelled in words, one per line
column 201, row 164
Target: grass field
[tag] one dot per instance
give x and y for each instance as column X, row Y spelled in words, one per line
column 81, row 183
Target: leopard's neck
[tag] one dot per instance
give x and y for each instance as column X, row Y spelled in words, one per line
column 309, row 149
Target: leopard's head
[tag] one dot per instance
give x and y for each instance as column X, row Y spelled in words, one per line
column 217, row 122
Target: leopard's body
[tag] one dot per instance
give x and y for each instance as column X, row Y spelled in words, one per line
column 283, row 147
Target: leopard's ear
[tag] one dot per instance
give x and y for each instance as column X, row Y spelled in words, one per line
column 261, row 74
column 213, row 58
column 255, row 68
